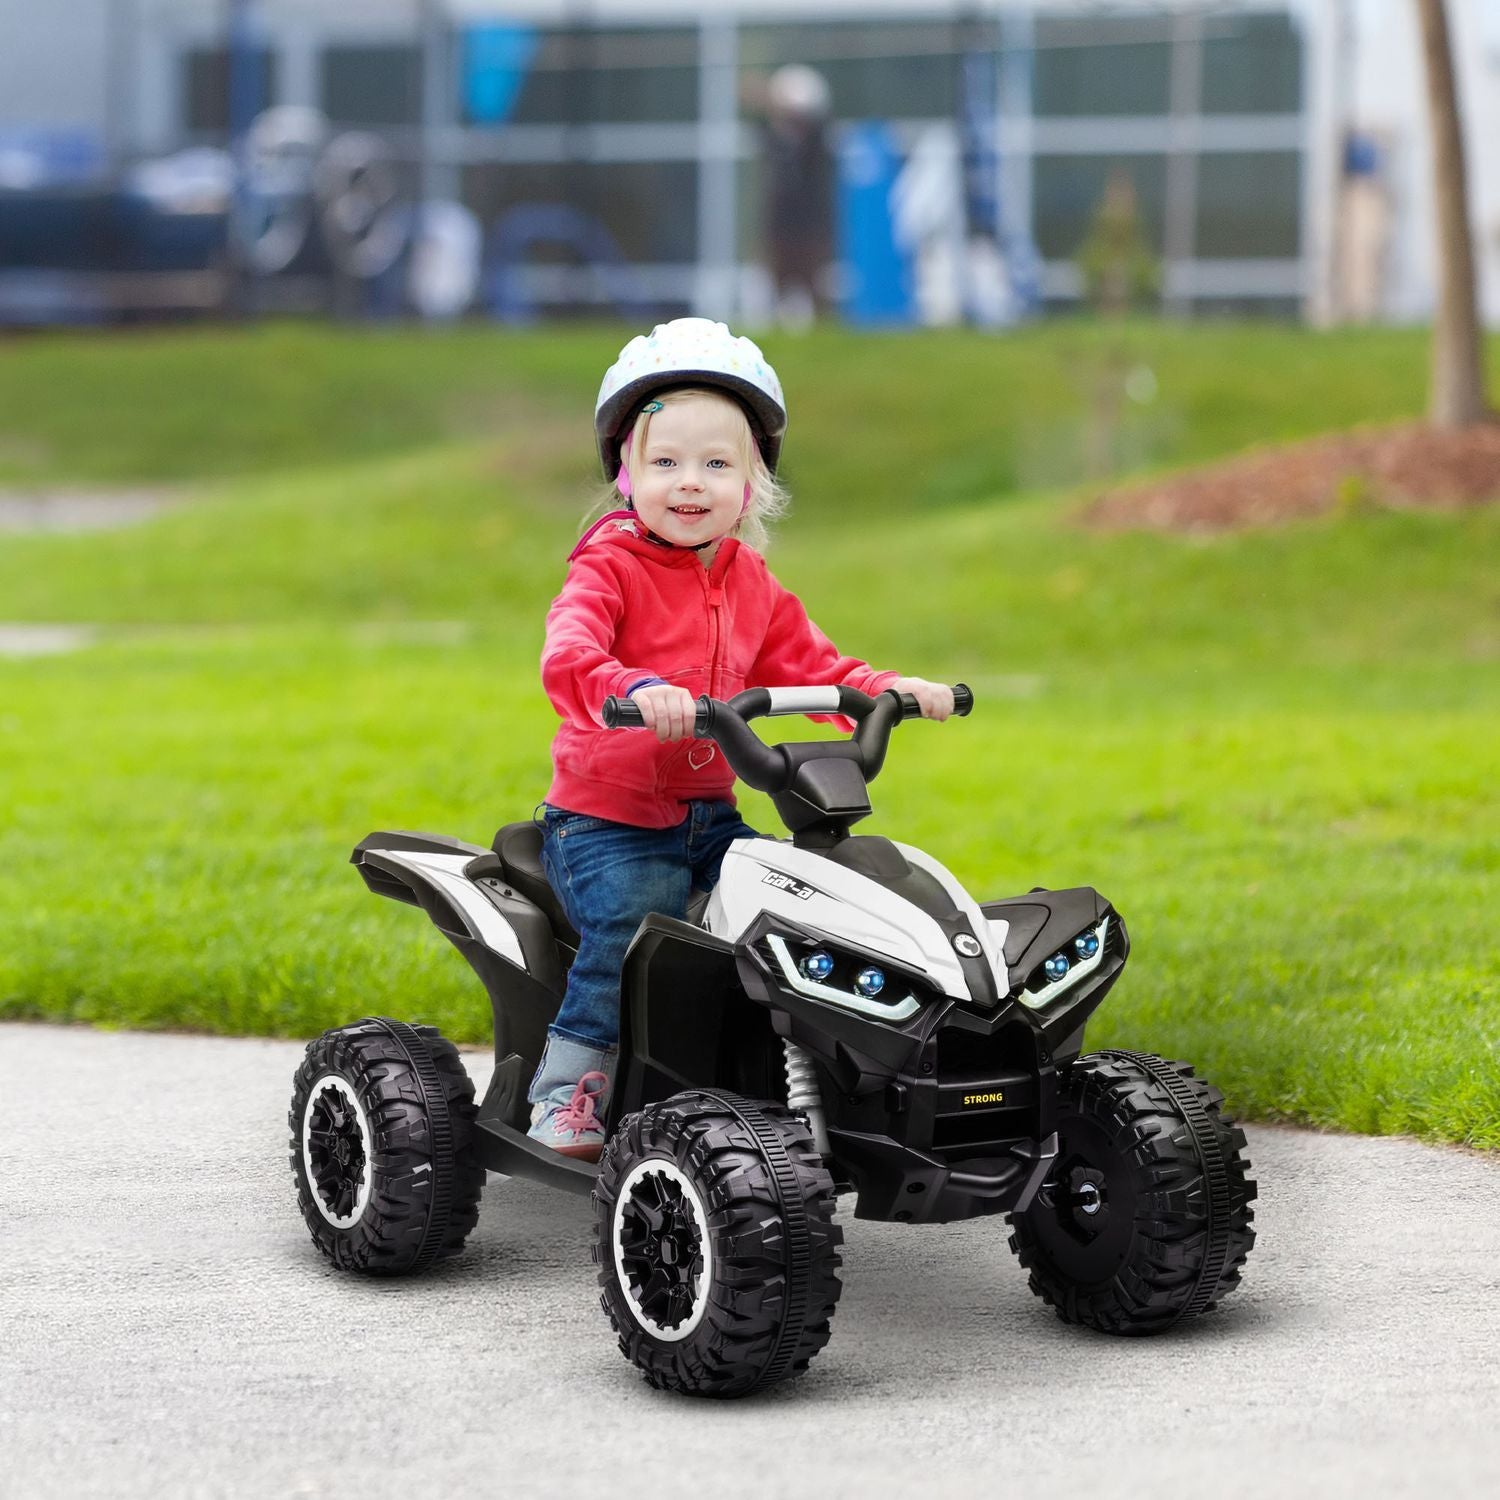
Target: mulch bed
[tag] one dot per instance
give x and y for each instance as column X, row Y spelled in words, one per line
column 1403, row 466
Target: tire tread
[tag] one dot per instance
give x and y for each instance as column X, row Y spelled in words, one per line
column 420, row 1117
column 1193, row 1220
column 770, row 1204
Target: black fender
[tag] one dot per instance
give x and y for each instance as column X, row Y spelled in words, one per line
column 1043, row 921
column 686, row 1022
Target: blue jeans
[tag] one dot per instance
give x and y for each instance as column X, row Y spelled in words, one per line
column 608, row 876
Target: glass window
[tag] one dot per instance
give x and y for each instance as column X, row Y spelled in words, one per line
column 616, row 76
column 649, row 209
column 372, row 85
column 1067, row 192
column 875, row 70
column 205, row 86
column 750, row 187
column 1252, row 65
column 1249, row 204
column 1101, row 66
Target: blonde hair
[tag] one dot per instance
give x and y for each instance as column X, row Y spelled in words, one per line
column 768, row 496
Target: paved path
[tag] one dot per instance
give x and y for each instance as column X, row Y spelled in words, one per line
column 166, row 1329
column 69, row 511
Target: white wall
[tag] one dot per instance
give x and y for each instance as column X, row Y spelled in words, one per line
column 1390, row 99
column 52, row 63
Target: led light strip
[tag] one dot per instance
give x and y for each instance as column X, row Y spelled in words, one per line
column 882, row 1010
column 1050, row 992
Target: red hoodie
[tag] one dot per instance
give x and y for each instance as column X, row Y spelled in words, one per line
column 631, row 609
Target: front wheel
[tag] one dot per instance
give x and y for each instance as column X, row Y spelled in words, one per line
column 1145, row 1218
column 382, row 1148
column 715, row 1242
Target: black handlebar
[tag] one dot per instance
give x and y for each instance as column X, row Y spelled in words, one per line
column 763, row 766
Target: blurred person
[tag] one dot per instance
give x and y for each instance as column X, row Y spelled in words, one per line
column 1364, row 228
column 927, row 215
column 665, row 599
column 799, row 190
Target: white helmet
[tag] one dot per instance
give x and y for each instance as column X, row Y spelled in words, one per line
column 798, row 90
column 689, row 351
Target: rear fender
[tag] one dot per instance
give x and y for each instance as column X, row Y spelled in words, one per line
column 505, row 937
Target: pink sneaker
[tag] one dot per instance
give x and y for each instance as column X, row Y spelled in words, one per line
column 567, row 1119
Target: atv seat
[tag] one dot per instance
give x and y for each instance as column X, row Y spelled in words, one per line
column 519, row 846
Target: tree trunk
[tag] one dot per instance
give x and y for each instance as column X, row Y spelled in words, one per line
column 1457, row 395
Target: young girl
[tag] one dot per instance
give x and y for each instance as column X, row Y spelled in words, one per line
column 665, row 600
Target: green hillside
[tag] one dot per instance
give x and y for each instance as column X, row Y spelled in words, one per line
column 1274, row 751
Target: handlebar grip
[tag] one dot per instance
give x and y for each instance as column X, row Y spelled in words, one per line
column 621, row 713
column 963, row 702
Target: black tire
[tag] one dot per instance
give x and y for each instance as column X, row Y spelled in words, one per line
column 1145, row 1218
column 717, row 1251
column 382, row 1147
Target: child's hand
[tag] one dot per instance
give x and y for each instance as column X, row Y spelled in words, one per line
column 936, row 698
column 670, row 711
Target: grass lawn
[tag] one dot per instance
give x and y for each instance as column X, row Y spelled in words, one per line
column 1276, row 752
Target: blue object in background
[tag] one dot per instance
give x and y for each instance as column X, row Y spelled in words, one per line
column 976, row 118
column 877, row 276
column 558, row 225
column 1362, row 155
column 49, row 156
column 497, row 56
column 245, row 41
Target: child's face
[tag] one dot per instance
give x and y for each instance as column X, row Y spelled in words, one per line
column 689, row 482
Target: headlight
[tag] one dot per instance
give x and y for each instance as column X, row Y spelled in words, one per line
column 836, row 980
column 1070, row 964
column 817, row 966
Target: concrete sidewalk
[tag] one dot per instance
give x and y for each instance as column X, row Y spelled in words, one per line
column 167, row 1328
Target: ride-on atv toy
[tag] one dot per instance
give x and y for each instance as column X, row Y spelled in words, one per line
column 837, row 1015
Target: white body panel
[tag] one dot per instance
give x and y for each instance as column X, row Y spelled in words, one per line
column 828, row 898
column 845, row 904
column 445, row 873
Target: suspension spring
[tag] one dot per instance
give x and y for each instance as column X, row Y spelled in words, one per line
column 804, row 1094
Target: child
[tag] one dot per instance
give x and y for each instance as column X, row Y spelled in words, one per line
column 664, row 600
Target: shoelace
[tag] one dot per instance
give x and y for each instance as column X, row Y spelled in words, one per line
column 579, row 1113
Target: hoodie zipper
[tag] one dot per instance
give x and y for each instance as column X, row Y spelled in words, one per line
column 714, row 593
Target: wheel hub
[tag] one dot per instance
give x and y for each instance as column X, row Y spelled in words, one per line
column 1089, row 1204
column 336, row 1151
column 1079, row 1200
column 662, row 1254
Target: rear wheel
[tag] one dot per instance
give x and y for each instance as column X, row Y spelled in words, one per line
column 1145, row 1218
column 717, row 1251
column 382, row 1124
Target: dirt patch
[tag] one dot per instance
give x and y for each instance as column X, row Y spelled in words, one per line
column 1402, row 467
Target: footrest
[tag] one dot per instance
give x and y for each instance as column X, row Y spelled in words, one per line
column 512, row 1152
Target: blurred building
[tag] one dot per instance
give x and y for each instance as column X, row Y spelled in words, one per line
column 1277, row 148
